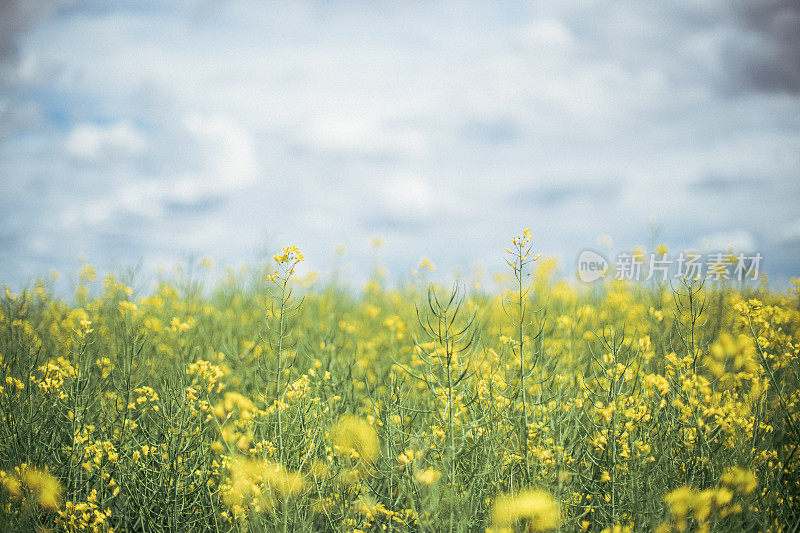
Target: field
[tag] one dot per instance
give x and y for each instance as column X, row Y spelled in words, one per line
column 271, row 402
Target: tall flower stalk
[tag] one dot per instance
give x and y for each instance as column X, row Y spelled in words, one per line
column 516, row 307
column 282, row 310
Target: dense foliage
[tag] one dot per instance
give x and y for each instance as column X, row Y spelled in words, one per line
column 266, row 403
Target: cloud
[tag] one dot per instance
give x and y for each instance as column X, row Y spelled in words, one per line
column 15, row 115
column 91, row 141
column 449, row 129
column 568, row 190
column 492, row 131
column 547, row 31
column 789, row 234
column 719, row 184
column 357, row 135
column 404, row 203
column 408, row 196
column 737, row 240
column 16, row 17
column 769, row 56
column 227, row 150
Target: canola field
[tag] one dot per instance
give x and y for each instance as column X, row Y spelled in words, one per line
column 267, row 401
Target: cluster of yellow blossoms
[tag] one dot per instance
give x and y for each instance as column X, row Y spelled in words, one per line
column 529, row 403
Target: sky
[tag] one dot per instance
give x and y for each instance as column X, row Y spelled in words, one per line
column 146, row 132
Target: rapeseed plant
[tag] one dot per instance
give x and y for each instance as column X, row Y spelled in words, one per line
column 534, row 508
column 355, row 438
column 539, row 406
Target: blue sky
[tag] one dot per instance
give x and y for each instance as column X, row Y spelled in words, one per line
column 139, row 132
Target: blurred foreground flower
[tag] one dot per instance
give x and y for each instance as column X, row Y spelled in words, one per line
column 355, row 437
column 40, row 484
column 535, row 508
column 260, row 484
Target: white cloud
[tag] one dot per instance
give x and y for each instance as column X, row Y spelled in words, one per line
column 343, row 132
column 547, row 32
column 16, row 16
column 227, row 150
column 91, row 141
column 320, row 119
column 408, row 198
column 220, row 154
column 360, row 133
column 790, row 233
column 98, row 212
column 737, row 240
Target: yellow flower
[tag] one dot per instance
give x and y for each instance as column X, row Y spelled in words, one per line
column 11, row 484
column 740, row 479
column 88, row 273
column 355, row 437
column 680, row 501
column 260, row 483
column 535, row 507
column 290, row 254
column 425, row 264
column 46, row 485
column 428, row 476
column 127, row 307
column 406, row 457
